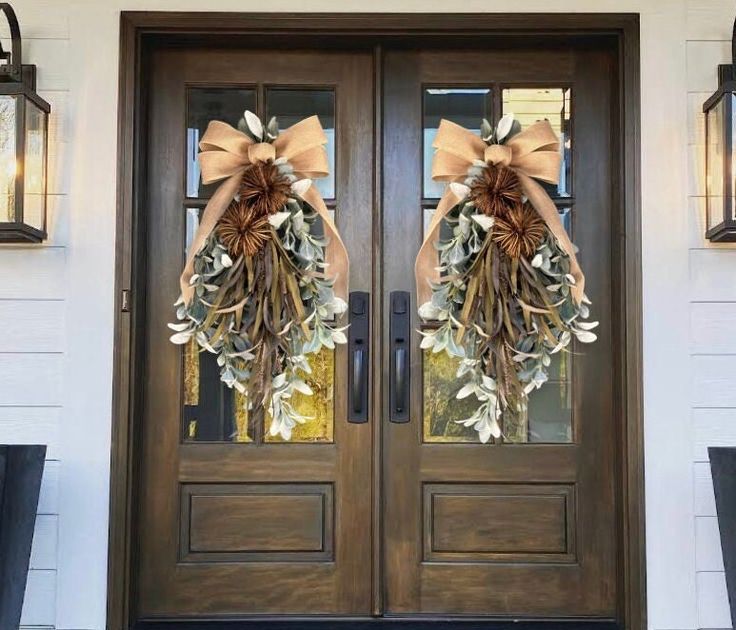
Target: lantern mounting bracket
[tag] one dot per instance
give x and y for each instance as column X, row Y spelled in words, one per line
column 12, row 69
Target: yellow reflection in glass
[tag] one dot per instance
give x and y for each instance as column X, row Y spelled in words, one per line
column 441, row 408
column 319, row 406
column 240, row 409
column 191, row 373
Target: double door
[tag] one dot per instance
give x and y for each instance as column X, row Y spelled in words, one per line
column 405, row 513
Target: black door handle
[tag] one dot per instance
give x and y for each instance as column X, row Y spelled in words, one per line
column 358, row 354
column 399, row 329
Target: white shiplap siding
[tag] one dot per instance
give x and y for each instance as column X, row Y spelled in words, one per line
column 32, row 307
column 712, row 312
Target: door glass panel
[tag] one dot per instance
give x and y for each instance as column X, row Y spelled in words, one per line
column 215, row 413
column 464, row 106
column 290, row 105
column 204, row 105
column 530, row 105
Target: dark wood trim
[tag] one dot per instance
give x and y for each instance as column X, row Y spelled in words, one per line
column 141, row 29
column 381, row 623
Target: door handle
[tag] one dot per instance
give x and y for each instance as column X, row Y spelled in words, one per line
column 358, row 354
column 400, row 373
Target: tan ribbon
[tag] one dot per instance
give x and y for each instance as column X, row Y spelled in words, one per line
column 532, row 154
column 225, row 153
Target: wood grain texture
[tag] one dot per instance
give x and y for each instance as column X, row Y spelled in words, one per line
column 31, row 379
column 712, row 328
column 31, row 425
column 39, row 604
column 32, row 326
column 712, row 427
column 38, row 272
column 713, row 381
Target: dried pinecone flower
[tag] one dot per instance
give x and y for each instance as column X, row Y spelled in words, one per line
column 495, row 191
column 242, row 230
column 520, row 232
column 264, row 189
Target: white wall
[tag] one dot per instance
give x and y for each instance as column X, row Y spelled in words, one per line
column 56, row 300
column 712, row 311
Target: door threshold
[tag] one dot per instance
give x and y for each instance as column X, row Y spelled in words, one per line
column 372, row 623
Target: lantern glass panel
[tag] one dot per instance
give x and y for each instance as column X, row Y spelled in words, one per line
column 34, row 177
column 8, row 158
column 714, row 162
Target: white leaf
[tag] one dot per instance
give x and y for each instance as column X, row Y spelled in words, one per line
column 254, row 124
column 278, row 380
column 460, row 190
column 302, row 387
column 504, row 126
column 427, row 342
column 179, row 327
column 339, row 337
column 581, row 325
column 585, row 336
column 483, row 220
column 277, row 219
column 428, row 311
column 466, row 390
column 180, row 338
column 301, row 186
column 537, row 261
column 226, row 261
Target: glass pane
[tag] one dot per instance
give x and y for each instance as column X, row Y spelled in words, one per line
column 319, row 407
column 464, row 106
column 714, row 121
column 34, row 176
column 214, row 412
column 7, row 158
column 440, row 408
column 530, row 105
column 204, row 105
column 290, row 105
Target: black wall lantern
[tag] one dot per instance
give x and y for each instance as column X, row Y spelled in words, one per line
column 720, row 151
column 24, row 121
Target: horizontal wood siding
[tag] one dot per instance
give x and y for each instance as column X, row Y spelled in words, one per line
column 712, row 311
column 32, row 306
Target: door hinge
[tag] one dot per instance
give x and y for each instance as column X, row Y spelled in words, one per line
column 125, row 301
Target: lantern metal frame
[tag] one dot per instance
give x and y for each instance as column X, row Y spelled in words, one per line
column 725, row 230
column 19, row 80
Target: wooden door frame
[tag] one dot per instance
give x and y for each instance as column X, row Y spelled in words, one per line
column 141, row 30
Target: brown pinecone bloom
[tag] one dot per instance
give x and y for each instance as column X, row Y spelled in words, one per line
column 496, row 191
column 242, row 230
column 520, row 232
column 264, row 189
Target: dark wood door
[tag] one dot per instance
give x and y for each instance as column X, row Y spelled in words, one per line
column 526, row 526
column 232, row 521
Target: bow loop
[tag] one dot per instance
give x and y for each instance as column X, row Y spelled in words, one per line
column 225, row 154
column 533, row 154
column 498, row 154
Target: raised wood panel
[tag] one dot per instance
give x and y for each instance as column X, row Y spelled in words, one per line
column 39, row 603
column 31, row 425
column 59, row 168
column 705, row 498
column 32, row 325
column 713, row 427
column 36, row 273
column 703, row 58
column 498, row 522
column 712, row 273
column 713, row 611
column 31, row 379
column 43, row 551
column 714, row 381
column 257, row 522
column 708, row 555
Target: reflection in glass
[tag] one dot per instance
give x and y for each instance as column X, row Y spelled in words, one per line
column 547, row 420
column 34, row 176
column 319, row 407
column 215, row 413
column 204, row 105
column 714, row 121
column 7, row 158
column 464, row 106
column 530, row 105
column 290, row 105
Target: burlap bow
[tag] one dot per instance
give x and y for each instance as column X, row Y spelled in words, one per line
column 225, row 153
column 532, row 153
